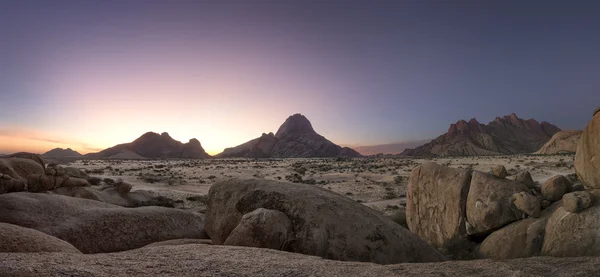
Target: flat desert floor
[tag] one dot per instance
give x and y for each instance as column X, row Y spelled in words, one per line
column 377, row 182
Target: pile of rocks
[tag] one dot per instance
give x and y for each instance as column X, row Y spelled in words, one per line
column 27, row 172
column 484, row 215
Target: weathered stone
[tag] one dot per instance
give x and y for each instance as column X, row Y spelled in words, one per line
column 527, row 203
column 8, row 184
column 489, row 204
column 14, row 238
column 520, row 239
column 324, row 223
column 525, row 179
column 435, row 204
column 573, row 234
column 554, row 188
column 123, row 187
column 587, row 161
column 500, row 171
column 261, row 228
column 577, row 201
column 95, row 227
column 20, row 168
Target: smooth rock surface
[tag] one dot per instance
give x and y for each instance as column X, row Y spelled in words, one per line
column 15, row 238
column 93, row 226
column 554, row 188
column 324, row 223
column 587, row 159
column 435, row 204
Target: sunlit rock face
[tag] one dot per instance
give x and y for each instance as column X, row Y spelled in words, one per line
column 507, row 135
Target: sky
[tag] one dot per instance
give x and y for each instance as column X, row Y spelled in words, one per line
column 90, row 74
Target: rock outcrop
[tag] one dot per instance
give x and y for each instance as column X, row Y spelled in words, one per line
column 296, row 138
column 587, row 159
column 323, row 223
column 561, row 143
column 507, row 135
column 153, row 146
column 435, row 205
column 27, row 172
column 14, row 238
column 95, row 227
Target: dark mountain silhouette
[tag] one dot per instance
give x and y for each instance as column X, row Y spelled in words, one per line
column 507, row 135
column 295, row 138
column 61, row 153
column 153, row 146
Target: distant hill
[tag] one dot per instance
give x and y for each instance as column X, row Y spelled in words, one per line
column 61, row 153
column 153, row 146
column 561, row 143
column 507, row 135
column 295, row 138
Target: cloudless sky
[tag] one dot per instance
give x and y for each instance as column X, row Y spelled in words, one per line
column 91, row 74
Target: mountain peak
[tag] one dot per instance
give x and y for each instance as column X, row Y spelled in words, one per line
column 59, row 152
column 295, row 124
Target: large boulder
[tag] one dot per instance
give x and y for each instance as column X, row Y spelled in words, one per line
column 554, row 188
column 490, row 203
column 20, row 168
column 93, row 226
column 435, row 205
column 500, row 171
column 14, row 238
column 573, row 234
column 324, row 223
column 261, row 228
column 527, row 203
column 577, row 201
column 520, row 239
column 587, row 159
column 29, row 156
column 525, row 179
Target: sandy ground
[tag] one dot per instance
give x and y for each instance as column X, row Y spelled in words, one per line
column 378, row 182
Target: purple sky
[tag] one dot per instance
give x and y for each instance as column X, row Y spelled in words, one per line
column 92, row 74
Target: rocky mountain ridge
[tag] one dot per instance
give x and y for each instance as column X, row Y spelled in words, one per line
column 506, row 135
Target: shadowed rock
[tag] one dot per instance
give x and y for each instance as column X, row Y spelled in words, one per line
column 324, row 223
column 93, row 226
column 18, row 239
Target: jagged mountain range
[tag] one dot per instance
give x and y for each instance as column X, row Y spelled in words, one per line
column 506, row 135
